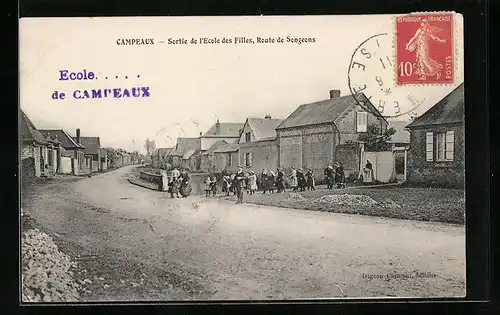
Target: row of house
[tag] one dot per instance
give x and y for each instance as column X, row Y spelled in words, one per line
column 316, row 134
column 46, row 152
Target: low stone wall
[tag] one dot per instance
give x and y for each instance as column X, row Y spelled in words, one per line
column 152, row 178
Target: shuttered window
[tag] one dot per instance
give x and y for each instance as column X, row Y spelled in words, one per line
column 429, row 146
column 361, row 121
column 450, row 145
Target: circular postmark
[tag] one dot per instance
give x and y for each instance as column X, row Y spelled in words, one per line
column 371, row 73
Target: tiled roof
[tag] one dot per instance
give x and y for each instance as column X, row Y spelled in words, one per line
column 188, row 154
column 264, row 128
column 326, row 111
column 162, row 152
column 214, row 147
column 67, row 141
column 230, row 147
column 185, row 144
column 92, row 144
column 226, row 130
column 28, row 131
column 450, row 109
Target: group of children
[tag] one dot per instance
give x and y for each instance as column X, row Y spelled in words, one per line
column 229, row 184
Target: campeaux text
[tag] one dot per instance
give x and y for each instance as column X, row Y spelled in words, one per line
column 135, row 92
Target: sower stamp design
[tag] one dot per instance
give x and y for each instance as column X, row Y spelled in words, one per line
column 425, row 49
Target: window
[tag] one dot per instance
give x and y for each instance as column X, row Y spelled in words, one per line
column 441, row 146
column 429, row 147
column 361, row 121
column 248, row 136
column 228, row 160
column 449, row 145
column 248, row 159
column 87, row 162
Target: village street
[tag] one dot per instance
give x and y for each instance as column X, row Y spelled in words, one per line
column 146, row 246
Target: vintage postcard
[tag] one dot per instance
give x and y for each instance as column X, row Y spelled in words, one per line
column 242, row 158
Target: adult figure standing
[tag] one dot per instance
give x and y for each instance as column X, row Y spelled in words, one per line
column 368, row 173
column 328, row 172
column 339, row 175
column 301, row 180
column 280, row 185
column 293, row 179
column 310, row 179
column 239, row 182
column 270, row 181
column 185, row 188
column 164, row 184
column 253, row 182
column 263, row 181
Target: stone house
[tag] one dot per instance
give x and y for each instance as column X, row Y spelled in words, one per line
column 126, row 158
column 92, row 153
column 40, row 155
column 229, row 132
column 227, row 158
column 258, row 149
column 105, row 160
column 208, row 157
column 319, row 133
column 183, row 151
column 73, row 149
column 437, row 143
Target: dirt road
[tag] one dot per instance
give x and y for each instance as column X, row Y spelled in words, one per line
column 146, row 246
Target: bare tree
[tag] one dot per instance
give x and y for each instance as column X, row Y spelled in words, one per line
column 150, row 146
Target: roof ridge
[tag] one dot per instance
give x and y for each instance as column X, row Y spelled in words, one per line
column 71, row 139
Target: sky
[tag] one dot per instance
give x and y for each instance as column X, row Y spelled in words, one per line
column 191, row 86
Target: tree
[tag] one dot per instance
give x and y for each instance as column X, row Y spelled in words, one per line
column 374, row 140
column 150, row 146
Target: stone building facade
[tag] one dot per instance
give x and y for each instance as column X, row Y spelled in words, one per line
column 437, row 144
column 309, row 137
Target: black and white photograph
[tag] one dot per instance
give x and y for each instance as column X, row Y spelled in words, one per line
column 237, row 158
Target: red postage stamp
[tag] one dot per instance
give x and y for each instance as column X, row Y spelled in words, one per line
column 425, row 49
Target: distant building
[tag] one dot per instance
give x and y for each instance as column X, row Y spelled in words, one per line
column 437, row 143
column 184, row 149
column 92, row 153
column 73, row 149
column 319, row 133
column 402, row 136
column 229, row 132
column 40, row 155
column 227, row 157
column 208, row 157
column 258, row 149
column 105, row 160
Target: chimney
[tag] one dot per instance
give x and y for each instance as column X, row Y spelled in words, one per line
column 268, row 116
column 78, row 135
column 217, row 127
column 334, row 93
column 201, row 133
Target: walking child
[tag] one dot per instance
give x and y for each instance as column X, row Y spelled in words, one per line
column 213, row 186
column 208, row 183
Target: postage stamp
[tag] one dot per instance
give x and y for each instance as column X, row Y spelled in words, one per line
column 425, row 48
